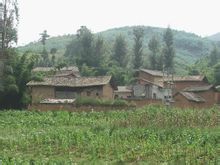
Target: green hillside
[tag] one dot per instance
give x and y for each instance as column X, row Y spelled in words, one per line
column 214, row 37
column 189, row 47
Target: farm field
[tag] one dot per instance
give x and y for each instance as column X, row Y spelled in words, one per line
column 151, row 135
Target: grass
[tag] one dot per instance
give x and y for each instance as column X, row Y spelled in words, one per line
column 151, row 135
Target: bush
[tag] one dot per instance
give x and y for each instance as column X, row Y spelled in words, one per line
column 100, row 102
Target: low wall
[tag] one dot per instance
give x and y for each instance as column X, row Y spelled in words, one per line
column 144, row 102
column 73, row 108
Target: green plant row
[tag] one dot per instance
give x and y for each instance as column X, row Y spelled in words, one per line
column 150, row 135
column 101, row 102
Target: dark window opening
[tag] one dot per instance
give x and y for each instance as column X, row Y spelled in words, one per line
column 88, row 93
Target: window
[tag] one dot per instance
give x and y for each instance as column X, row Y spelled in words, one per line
column 88, row 93
column 154, row 96
column 97, row 94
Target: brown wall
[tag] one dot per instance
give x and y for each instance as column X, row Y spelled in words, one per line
column 182, row 102
column 149, row 77
column 217, row 97
column 209, row 96
column 146, row 76
column 39, row 93
column 180, row 85
column 94, row 92
column 145, row 102
column 108, row 92
column 123, row 95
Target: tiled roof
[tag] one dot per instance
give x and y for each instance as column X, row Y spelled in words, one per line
column 123, row 89
column 153, row 72
column 186, row 78
column 157, row 83
column 71, row 82
column 47, row 69
column 198, row 88
column 192, row 97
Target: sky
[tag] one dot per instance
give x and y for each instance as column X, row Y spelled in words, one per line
column 60, row 17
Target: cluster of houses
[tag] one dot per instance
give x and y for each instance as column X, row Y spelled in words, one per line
column 149, row 86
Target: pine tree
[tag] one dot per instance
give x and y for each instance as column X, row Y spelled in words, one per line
column 138, row 47
column 154, row 47
column 119, row 55
column 168, row 51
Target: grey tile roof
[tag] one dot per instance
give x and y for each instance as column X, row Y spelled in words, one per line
column 186, row 78
column 47, row 69
column 157, row 83
column 153, row 72
column 71, row 82
column 198, row 88
column 122, row 89
column 192, row 97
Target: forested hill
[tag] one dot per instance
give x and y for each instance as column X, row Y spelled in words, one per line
column 189, row 47
column 214, row 37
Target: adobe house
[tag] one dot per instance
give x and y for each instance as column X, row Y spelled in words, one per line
column 182, row 82
column 149, row 85
column 188, row 100
column 150, row 90
column 57, row 87
column 197, row 97
column 123, row 92
column 149, row 75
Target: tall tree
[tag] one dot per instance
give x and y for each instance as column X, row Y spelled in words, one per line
column 85, row 39
column 99, row 51
column 9, row 20
column 168, row 51
column 53, row 52
column 138, row 47
column 44, row 53
column 217, row 74
column 8, row 37
column 120, row 51
column 214, row 56
column 154, row 47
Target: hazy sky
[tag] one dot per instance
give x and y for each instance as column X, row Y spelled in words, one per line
column 60, row 17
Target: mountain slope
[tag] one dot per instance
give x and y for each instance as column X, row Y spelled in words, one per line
column 189, row 47
column 214, row 37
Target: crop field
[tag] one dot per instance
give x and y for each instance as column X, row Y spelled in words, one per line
column 150, row 135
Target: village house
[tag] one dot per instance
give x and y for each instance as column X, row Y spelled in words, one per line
column 148, row 85
column 57, row 87
column 180, row 91
column 123, row 92
column 153, row 76
column 179, row 83
column 197, row 97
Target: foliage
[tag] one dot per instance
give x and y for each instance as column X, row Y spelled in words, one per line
column 9, row 23
column 156, row 62
column 17, row 74
column 138, row 47
column 45, row 61
column 151, row 135
column 168, row 51
column 217, row 74
column 189, row 47
column 85, row 49
column 119, row 55
column 100, row 102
